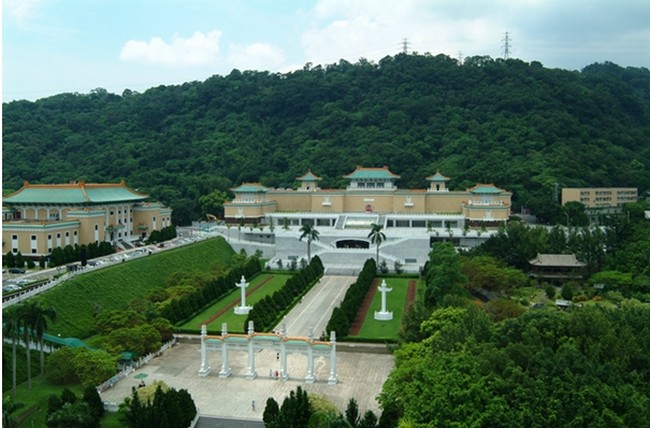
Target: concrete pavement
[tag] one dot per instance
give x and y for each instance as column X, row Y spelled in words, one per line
column 360, row 374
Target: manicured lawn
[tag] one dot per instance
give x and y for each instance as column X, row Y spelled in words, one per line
column 271, row 283
column 113, row 287
column 395, row 303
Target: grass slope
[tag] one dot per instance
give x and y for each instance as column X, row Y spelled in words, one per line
column 113, row 287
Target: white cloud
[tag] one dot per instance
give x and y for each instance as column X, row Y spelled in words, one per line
column 200, row 49
column 19, row 10
column 374, row 29
column 256, row 56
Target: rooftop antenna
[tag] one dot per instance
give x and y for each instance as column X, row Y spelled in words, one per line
column 405, row 46
column 506, row 46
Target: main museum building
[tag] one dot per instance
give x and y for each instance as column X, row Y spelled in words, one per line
column 40, row 217
column 412, row 219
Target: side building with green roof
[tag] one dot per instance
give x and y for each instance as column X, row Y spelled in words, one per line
column 40, row 217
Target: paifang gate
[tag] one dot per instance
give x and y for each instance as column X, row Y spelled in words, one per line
column 277, row 342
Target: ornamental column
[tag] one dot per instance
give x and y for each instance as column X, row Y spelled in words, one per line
column 205, row 369
column 283, row 352
column 251, row 373
column 383, row 315
column 332, row 380
column 310, row 378
column 242, row 309
column 225, row 368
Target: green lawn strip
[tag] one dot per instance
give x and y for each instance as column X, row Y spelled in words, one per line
column 113, row 287
column 35, row 400
column 395, row 303
column 236, row 322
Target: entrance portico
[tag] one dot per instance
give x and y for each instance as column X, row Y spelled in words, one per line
column 279, row 342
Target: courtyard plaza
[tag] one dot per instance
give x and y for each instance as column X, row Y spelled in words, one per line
column 361, row 369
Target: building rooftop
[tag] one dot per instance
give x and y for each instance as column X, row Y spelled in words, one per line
column 74, row 193
column 249, row 188
column 309, row 176
column 371, row 173
column 557, row 260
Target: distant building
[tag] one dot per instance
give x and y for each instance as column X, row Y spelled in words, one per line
column 600, row 200
column 557, row 267
column 40, row 217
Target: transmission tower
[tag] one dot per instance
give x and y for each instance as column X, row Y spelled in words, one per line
column 506, row 46
column 405, row 46
column 460, row 58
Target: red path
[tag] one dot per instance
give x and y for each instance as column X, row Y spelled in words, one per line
column 355, row 328
column 234, row 302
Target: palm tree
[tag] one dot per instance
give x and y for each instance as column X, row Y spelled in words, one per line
column 25, row 316
column 11, row 329
column 40, row 316
column 309, row 232
column 377, row 237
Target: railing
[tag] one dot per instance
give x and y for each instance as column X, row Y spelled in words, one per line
column 137, row 364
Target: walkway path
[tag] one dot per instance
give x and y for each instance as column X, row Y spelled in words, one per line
column 317, row 306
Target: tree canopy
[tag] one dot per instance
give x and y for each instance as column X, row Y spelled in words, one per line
column 517, row 124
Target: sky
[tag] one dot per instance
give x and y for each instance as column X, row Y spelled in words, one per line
column 55, row 46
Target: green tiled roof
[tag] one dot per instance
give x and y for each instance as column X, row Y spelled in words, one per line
column 74, row 193
column 309, row 176
column 250, row 188
column 485, row 189
column 372, row 173
column 437, row 177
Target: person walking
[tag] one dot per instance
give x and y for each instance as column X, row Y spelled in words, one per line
column 253, row 405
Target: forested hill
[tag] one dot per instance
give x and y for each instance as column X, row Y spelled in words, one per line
column 521, row 126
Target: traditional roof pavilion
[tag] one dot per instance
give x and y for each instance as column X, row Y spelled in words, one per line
column 557, row 267
column 372, row 179
column 308, row 181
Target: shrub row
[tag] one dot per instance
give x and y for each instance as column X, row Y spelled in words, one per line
column 343, row 315
column 266, row 312
column 185, row 307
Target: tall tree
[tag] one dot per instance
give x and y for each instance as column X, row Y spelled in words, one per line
column 26, row 315
column 11, row 330
column 377, row 237
column 40, row 316
column 311, row 234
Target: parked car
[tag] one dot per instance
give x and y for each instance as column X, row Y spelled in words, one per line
column 16, row 270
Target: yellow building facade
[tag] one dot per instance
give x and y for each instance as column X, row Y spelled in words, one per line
column 371, row 191
column 600, row 197
column 40, row 217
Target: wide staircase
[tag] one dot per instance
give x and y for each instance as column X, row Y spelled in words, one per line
column 221, row 422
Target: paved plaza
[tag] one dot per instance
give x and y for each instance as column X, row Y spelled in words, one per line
column 360, row 374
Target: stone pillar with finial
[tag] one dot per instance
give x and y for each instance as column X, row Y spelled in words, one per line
column 205, row 368
column 251, row 373
column 332, row 380
column 225, row 368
